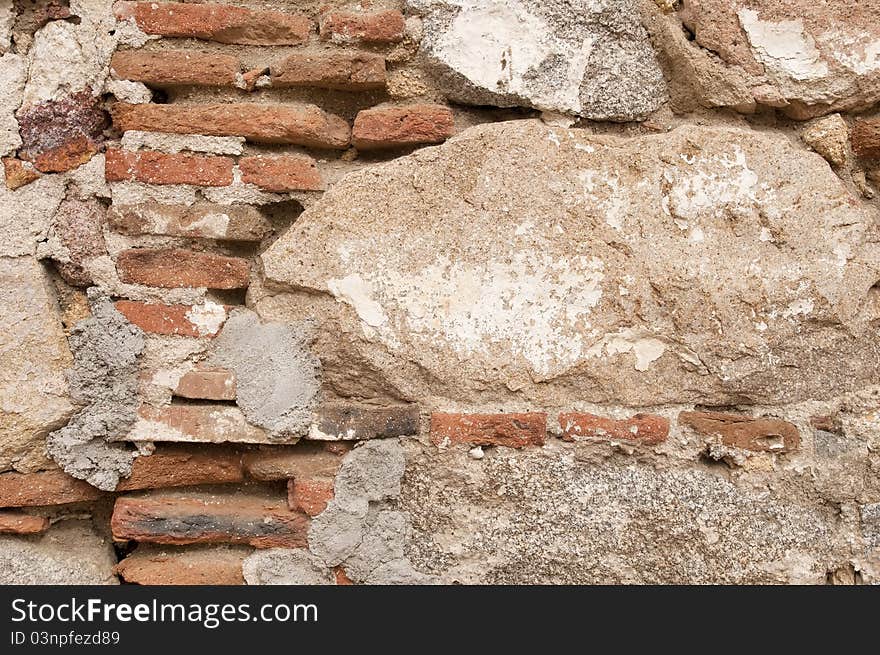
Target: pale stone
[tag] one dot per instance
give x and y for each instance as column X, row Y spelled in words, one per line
column 829, row 136
column 34, row 357
column 711, row 265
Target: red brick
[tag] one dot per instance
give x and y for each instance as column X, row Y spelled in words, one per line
column 349, row 421
column 396, row 127
column 163, row 319
column 341, row 71
column 280, row 174
column 181, row 466
column 173, row 268
column 161, row 168
column 69, row 155
column 17, row 173
column 201, row 220
column 195, row 424
column 303, row 460
column 304, row 125
column 865, row 138
column 207, row 384
column 741, row 431
column 648, row 429
column 44, row 488
column 309, row 495
column 370, row 27
column 513, row 430
column 218, row 22
column 176, row 67
column 259, row 522
column 17, row 523
column 151, row 566
column 342, row 577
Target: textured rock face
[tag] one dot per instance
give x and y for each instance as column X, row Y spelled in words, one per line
column 545, row 518
column 33, row 358
column 705, row 265
column 816, row 57
column 591, row 58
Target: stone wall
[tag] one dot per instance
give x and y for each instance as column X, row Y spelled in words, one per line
column 436, row 291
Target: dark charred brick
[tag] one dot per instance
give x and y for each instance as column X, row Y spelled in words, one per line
column 348, row 422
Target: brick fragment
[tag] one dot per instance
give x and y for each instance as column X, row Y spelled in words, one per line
column 337, row 422
column 865, row 138
column 281, row 174
column 396, row 127
column 174, row 268
column 512, row 430
column 180, row 520
column 369, row 27
column 206, row 383
column 44, row 488
column 305, row 125
column 195, row 424
column 17, row 523
column 218, row 22
column 17, row 173
column 339, row 71
column 303, row 460
column 178, row 320
column 161, row 168
column 741, row 431
column 209, row 566
column 175, row 67
column 309, row 495
column 201, row 220
column 648, row 429
column 79, row 226
column 342, row 577
column 181, row 466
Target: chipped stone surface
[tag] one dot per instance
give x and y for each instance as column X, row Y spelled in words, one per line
column 590, row 58
column 70, row 553
column 829, row 136
column 703, row 265
column 281, row 566
column 552, row 517
column 34, row 356
column 104, row 379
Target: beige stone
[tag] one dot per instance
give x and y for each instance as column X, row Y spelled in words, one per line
column 33, row 359
column 829, row 136
column 710, row 265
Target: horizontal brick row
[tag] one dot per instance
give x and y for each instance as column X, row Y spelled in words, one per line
column 746, row 432
column 217, row 22
column 180, row 520
column 177, row 320
column 305, row 125
column 176, row 67
column 648, row 429
column 282, row 173
column 152, row 566
column 195, row 424
column 309, row 495
column 362, row 27
column 396, row 127
column 175, row 268
column 201, row 220
column 18, row 523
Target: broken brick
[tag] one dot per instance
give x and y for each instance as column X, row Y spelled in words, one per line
column 648, row 429
column 741, row 431
column 512, row 430
column 175, row 320
column 174, row 268
column 397, row 127
column 160, row 168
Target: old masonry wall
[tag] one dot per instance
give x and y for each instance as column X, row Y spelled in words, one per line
column 435, row 291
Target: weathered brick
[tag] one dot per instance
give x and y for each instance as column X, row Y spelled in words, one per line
column 396, row 127
column 195, row 424
column 218, row 22
column 17, row 523
column 303, row 460
column 79, row 226
column 175, row 268
column 205, row 383
column 161, row 168
column 59, row 135
column 648, row 429
column 280, row 174
column 201, row 220
column 176, row 67
column 18, row 173
column 865, row 138
column 210, row 566
column 305, row 125
column 44, row 488
column 513, row 430
column 181, row 466
column 179, row 320
column 179, row 520
column 309, row 495
column 370, row 27
column 342, row 577
column 336, row 422
column 341, row 71
column 741, row 431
